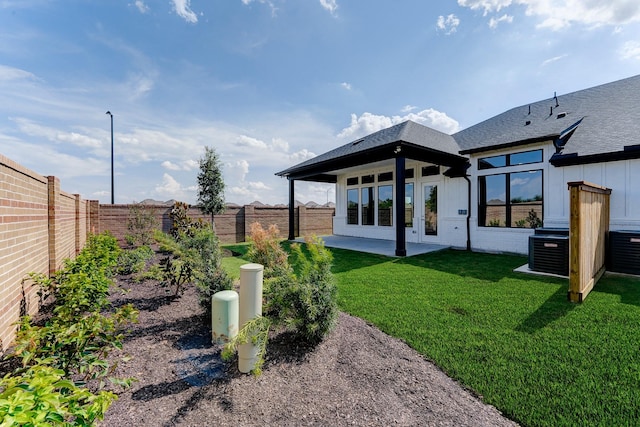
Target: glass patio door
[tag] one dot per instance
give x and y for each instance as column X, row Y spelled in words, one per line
column 430, row 210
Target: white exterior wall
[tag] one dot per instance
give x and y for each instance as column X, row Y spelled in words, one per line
column 620, row 176
column 623, row 177
column 452, row 196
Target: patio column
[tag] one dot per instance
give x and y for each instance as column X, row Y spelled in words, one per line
column 292, row 211
column 401, row 245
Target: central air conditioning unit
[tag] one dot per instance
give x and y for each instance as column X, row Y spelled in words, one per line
column 624, row 252
column 549, row 253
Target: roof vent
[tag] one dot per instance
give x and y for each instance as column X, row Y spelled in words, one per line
column 357, row 142
column 561, row 115
column 527, row 123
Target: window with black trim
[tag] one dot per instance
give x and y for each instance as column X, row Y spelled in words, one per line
column 511, row 200
column 514, row 159
column 352, row 181
column 385, row 205
column 385, row 176
column 352, row 206
column 430, row 170
column 368, row 179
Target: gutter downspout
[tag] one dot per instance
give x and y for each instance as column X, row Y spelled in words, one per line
column 466, row 177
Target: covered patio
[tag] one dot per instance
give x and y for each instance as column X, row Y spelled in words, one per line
column 376, row 246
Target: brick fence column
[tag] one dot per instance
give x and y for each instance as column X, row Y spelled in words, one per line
column 93, row 216
column 249, row 218
column 53, row 190
column 78, row 229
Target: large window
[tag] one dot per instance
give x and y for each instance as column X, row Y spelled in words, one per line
column 385, row 205
column 511, row 200
column 368, row 206
column 352, row 206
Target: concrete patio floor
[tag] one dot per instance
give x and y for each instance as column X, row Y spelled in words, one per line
column 376, row 246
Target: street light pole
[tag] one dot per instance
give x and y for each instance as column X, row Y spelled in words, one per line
column 111, row 115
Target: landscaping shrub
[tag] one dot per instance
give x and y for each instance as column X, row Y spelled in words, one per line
column 42, row 396
column 301, row 297
column 75, row 342
column 265, row 249
column 133, row 261
column 140, row 225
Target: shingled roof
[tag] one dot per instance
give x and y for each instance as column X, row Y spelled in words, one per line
column 413, row 140
column 596, row 124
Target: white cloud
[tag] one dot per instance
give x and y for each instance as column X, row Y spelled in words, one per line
column 186, row 165
column 487, row 5
column 247, row 141
column 330, row 5
column 170, row 188
column 552, row 60
column 183, row 9
column 557, row 15
column 448, row 24
column 408, row 108
column 33, row 129
column 368, row 123
column 10, row 73
column 143, row 8
column 493, row 22
column 267, row 2
column 259, row 185
column 346, row 85
column 279, row 144
column 630, row 50
column 301, row 156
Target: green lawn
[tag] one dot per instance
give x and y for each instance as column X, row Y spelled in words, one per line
column 512, row 338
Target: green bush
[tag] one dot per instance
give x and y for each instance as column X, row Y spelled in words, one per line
column 41, row 396
column 301, row 297
column 265, row 249
column 133, row 261
column 203, row 247
column 140, row 225
column 75, row 342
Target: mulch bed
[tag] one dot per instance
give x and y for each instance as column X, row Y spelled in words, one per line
column 357, row 376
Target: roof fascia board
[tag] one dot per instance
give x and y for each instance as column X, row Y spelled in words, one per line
column 560, row 160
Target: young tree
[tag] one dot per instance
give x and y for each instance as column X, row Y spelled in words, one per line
column 210, row 184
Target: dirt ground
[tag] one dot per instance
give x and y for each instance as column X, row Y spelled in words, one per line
column 358, row 376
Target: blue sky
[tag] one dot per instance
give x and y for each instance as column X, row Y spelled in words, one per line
column 270, row 83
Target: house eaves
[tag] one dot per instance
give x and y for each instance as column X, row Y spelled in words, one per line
column 407, row 139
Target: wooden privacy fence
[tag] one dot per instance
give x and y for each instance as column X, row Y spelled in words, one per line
column 588, row 228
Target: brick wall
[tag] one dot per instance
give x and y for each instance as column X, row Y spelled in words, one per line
column 40, row 226
column 232, row 226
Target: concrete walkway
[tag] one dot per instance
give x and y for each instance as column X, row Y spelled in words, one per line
column 376, row 246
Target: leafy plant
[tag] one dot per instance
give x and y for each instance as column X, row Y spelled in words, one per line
column 265, row 249
column 140, row 225
column 533, row 220
column 42, row 396
column 256, row 332
column 78, row 347
column 134, row 260
column 181, row 222
column 494, row 223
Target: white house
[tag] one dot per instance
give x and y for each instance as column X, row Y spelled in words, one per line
column 486, row 187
